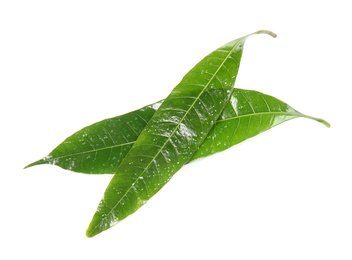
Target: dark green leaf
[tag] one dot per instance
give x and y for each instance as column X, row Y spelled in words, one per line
column 100, row 148
column 171, row 136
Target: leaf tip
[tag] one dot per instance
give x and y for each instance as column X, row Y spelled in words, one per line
column 100, row 223
column 319, row 120
column 272, row 34
column 327, row 124
column 89, row 233
column 31, row 164
column 41, row 161
column 92, row 230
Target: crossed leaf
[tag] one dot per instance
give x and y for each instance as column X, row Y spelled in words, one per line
column 202, row 115
column 171, row 137
column 99, row 148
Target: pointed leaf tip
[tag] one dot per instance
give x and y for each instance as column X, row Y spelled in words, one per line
column 41, row 161
column 320, row 120
column 89, row 233
column 272, row 34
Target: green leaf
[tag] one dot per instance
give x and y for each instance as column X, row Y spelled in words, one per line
column 248, row 114
column 100, row 148
column 171, row 136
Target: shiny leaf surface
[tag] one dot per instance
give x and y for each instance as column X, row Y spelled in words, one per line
column 248, row 114
column 171, row 136
column 100, row 148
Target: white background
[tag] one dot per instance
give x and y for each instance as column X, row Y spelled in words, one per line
column 286, row 194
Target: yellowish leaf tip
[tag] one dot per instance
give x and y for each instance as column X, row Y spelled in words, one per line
column 272, row 34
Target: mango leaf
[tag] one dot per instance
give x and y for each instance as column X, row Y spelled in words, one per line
column 171, row 136
column 248, row 114
column 100, row 147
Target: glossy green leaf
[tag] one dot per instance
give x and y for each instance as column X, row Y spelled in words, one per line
column 248, row 114
column 100, row 148
column 171, row 137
